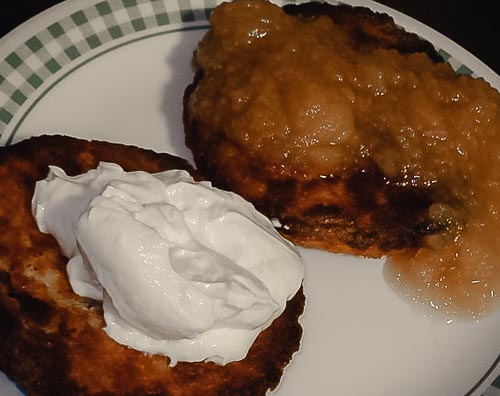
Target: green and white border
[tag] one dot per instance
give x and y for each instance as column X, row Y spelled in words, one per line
column 65, row 43
column 41, row 58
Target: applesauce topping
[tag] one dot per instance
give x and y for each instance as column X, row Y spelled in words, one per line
column 299, row 94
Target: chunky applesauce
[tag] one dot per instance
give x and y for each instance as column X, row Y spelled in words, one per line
column 300, row 96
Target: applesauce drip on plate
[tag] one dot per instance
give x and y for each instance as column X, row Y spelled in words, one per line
column 299, row 95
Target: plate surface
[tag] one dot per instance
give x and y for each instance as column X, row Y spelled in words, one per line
column 116, row 70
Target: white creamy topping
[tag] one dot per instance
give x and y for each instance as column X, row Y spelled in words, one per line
column 183, row 269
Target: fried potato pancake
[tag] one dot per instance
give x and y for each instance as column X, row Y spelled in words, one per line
column 52, row 341
column 357, row 138
column 349, row 208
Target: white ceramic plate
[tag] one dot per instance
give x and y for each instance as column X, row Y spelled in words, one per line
column 116, row 70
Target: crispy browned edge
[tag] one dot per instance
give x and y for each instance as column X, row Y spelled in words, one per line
column 51, row 340
column 371, row 218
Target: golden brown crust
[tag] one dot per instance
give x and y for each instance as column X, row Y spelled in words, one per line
column 368, row 29
column 355, row 212
column 52, row 340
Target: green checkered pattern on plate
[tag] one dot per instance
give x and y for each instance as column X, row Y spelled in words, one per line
column 46, row 53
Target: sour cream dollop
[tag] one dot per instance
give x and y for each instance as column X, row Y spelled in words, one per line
column 183, row 269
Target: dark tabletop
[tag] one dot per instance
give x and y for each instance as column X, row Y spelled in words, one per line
column 475, row 25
